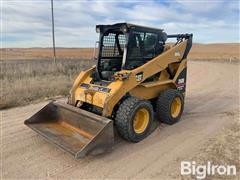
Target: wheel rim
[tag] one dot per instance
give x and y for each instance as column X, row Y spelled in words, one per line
column 141, row 120
column 176, row 107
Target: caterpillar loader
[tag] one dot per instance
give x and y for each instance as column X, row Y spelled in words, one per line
column 138, row 76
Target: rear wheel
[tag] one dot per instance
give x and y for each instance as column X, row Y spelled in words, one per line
column 169, row 106
column 134, row 119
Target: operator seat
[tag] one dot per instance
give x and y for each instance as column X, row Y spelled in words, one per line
column 134, row 58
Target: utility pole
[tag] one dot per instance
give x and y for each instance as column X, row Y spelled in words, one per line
column 53, row 34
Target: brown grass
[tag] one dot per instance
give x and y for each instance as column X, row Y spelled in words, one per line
column 229, row 51
column 24, row 81
column 28, row 74
column 43, row 53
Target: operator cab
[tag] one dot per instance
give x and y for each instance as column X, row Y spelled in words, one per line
column 126, row 46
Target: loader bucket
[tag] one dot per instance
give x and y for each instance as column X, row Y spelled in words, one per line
column 74, row 130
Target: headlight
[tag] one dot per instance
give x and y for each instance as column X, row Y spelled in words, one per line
column 124, row 29
column 101, row 89
column 85, row 86
column 98, row 29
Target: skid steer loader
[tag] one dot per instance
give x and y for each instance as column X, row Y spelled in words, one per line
column 137, row 74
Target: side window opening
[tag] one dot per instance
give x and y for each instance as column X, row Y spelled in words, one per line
column 135, row 46
column 150, row 43
column 143, row 46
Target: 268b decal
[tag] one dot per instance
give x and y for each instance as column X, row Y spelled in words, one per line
column 181, row 81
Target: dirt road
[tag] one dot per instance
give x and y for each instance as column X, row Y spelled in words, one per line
column 212, row 96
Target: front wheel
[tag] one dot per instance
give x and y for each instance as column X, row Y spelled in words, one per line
column 134, row 119
column 169, row 106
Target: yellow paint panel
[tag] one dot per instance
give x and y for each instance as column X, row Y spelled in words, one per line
column 120, row 87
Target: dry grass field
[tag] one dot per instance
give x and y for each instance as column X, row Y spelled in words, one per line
column 25, row 81
column 45, row 53
column 220, row 52
column 228, row 51
column 28, row 74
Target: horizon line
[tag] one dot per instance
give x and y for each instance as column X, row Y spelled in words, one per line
column 93, row 47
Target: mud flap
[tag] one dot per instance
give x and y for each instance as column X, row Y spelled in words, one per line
column 76, row 131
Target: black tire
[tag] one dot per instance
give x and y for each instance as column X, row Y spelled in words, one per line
column 164, row 104
column 124, row 121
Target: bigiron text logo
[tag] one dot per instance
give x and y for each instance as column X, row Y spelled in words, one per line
column 201, row 171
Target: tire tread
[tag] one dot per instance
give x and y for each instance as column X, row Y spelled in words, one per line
column 124, row 113
column 163, row 106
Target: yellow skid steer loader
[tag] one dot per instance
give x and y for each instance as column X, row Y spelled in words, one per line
column 137, row 74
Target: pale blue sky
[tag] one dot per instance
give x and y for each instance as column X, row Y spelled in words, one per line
column 27, row 23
